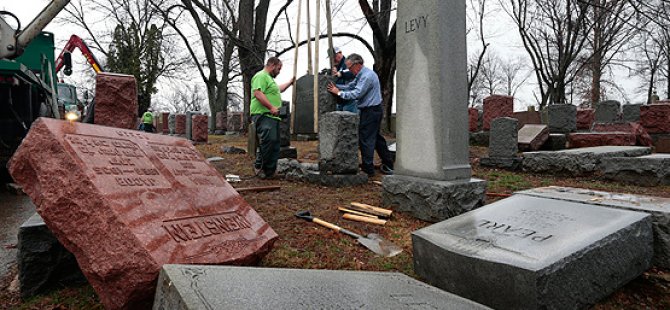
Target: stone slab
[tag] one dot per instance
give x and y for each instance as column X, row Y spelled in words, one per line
column 126, row 202
column 335, row 180
column 221, row 287
column 655, row 118
column 642, row 137
column 577, row 161
column 431, row 200
column 585, row 118
column 496, row 106
column 338, row 143
column 503, row 141
column 608, row 111
column 200, row 130
column 115, row 100
column 532, row 137
column 535, row 253
column 631, row 113
column 591, row 139
column 658, row 207
column 43, row 263
column 651, row 170
column 562, row 118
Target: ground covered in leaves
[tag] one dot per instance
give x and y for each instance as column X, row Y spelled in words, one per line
column 306, row 245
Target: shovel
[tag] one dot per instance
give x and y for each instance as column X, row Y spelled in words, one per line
column 373, row 242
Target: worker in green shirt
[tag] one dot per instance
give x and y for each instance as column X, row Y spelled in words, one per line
column 265, row 104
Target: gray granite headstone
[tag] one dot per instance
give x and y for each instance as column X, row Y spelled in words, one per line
column 631, row 113
column 172, row 120
column 225, row 287
column 338, row 143
column 658, row 207
column 535, row 253
column 562, row 118
column 189, row 124
column 285, row 125
column 608, row 111
column 433, row 120
column 650, row 170
column 304, row 105
column 43, row 263
column 503, row 141
column 579, row 161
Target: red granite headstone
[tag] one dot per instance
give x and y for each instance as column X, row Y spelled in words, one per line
column 220, row 121
column 585, row 118
column 655, row 118
column 126, row 202
column 528, row 117
column 115, row 100
column 496, row 106
column 473, row 115
column 157, row 124
column 590, row 139
column 180, row 124
column 643, row 138
column 199, row 130
column 164, row 122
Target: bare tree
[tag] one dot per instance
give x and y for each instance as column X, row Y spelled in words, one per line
column 183, row 98
column 513, row 74
column 475, row 26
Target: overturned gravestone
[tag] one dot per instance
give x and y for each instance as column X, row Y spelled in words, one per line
column 532, row 137
column 221, row 287
column 534, row 253
column 304, row 105
column 577, row 161
column 608, row 111
column 503, row 146
column 658, row 207
column 127, row 202
column 115, row 100
column 43, row 263
column 650, row 170
column 562, row 118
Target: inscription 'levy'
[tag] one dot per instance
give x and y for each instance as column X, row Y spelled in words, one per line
column 509, row 230
column 415, row 24
column 182, row 230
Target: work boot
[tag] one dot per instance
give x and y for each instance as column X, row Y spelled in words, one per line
column 386, row 170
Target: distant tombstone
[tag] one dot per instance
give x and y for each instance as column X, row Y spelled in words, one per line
column 655, row 118
column 532, row 137
column 224, row 287
column 285, row 148
column 157, row 124
column 172, row 123
column 535, row 253
column 189, row 124
column 562, row 118
column 134, row 202
column 165, row 120
column 473, row 119
column 180, row 124
column 432, row 158
column 199, row 132
column 503, row 142
column 631, row 113
column 234, row 121
column 608, row 111
column 220, row 123
column 528, row 117
column 304, row 105
column 585, row 118
column 496, row 106
column 115, row 100
column 338, row 143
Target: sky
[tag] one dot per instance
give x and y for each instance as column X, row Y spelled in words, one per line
column 503, row 42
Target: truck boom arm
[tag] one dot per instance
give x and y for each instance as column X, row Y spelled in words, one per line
column 76, row 41
column 12, row 41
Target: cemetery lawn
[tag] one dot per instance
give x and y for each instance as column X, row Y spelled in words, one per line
column 306, row 245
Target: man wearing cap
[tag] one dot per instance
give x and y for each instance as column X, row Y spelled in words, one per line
column 344, row 77
column 366, row 90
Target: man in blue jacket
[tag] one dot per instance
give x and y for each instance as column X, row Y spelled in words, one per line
column 343, row 77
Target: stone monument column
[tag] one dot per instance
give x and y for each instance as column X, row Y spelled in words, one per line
column 433, row 173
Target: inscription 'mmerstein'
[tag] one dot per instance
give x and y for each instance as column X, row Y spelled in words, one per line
column 415, row 24
column 182, row 230
column 509, row 230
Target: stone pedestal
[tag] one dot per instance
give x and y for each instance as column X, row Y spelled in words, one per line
column 338, row 143
column 555, row 142
column 533, row 253
column 562, row 118
column 115, row 100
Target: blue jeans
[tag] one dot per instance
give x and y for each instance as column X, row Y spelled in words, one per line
column 350, row 106
column 369, row 139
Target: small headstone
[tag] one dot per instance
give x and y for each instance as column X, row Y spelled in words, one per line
column 134, row 202
column 631, row 113
column 220, row 123
column 165, row 120
column 188, row 124
column 215, row 159
column 304, row 106
column 224, row 287
column 338, row 143
column 43, row 263
column 199, row 128
column 496, row 106
column 172, row 123
column 528, row 117
column 608, row 111
column 115, row 100
column 532, row 137
column 473, row 119
column 503, row 142
column 655, row 118
column 180, row 124
column 562, row 118
column 585, row 118
column 579, row 161
column 535, row 253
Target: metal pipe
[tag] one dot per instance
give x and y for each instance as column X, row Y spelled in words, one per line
column 40, row 22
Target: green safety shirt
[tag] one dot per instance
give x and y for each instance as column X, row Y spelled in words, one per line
column 148, row 118
column 265, row 83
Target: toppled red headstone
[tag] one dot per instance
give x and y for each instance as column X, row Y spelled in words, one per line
column 655, row 118
column 473, row 115
column 585, row 118
column 496, row 106
column 220, row 121
column 199, row 129
column 528, row 117
column 127, row 202
column 590, row 139
column 115, row 100
column 180, row 124
column 165, row 116
column 643, row 138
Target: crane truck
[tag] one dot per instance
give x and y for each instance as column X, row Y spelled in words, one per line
column 27, row 77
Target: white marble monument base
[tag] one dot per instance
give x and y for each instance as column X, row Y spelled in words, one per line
column 432, row 200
